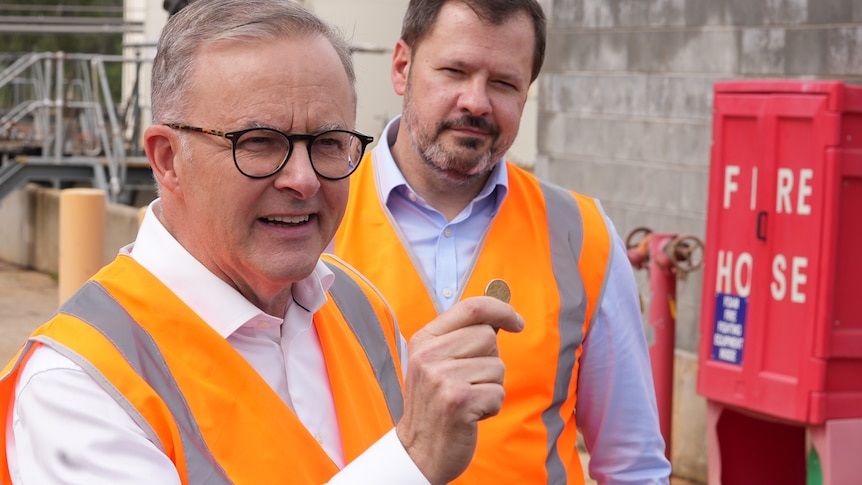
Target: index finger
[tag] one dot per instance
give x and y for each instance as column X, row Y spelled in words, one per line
column 477, row 310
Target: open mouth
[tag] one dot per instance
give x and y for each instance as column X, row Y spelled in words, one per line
column 285, row 220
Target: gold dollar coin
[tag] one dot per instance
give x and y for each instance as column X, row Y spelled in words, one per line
column 499, row 289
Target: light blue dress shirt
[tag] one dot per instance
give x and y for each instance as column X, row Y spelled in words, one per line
column 616, row 406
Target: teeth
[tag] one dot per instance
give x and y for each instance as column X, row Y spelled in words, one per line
column 288, row 220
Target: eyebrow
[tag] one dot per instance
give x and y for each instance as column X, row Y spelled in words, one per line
column 318, row 128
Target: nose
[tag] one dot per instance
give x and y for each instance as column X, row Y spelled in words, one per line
column 474, row 99
column 297, row 175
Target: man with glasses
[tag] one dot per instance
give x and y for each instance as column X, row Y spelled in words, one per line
column 261, row 152
column 437, row 215
column 220, row 347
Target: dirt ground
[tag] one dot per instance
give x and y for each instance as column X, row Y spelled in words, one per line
column 27, row 299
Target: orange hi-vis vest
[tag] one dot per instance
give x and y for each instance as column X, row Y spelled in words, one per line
column 553, row 248
column 199, row 400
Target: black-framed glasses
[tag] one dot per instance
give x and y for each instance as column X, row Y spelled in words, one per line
column 261, row 152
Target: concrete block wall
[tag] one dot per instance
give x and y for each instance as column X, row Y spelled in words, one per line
column 30, row 218
column 624, row 114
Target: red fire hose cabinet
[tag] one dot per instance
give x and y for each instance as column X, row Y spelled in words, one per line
column 780, row 357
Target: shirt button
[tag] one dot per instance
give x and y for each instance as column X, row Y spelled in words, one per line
column 262, row 325
column 411, row 196
column 319, row 438
column 447, row 292
column 447, row 232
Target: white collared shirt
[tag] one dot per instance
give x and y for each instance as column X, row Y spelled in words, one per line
column 62, row 414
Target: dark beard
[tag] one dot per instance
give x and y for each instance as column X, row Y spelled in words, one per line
column 458, row 168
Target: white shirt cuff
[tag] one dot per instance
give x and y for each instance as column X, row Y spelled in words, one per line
column 387, row 461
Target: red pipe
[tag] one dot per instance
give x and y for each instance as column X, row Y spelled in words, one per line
column 662, row 320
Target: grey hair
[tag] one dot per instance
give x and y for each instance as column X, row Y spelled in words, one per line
column 205, row 21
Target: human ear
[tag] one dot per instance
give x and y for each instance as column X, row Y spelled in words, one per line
column 161, row 144
column 400, row 67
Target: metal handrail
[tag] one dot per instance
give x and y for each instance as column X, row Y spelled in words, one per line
column 70, row 110
column 20, row 65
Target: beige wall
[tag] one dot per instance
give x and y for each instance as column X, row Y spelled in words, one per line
column 372, row 26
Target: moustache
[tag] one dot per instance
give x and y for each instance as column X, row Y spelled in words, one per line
column 468, row 121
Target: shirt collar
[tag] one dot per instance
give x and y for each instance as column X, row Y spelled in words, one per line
column 215, row 301
column 391, row 178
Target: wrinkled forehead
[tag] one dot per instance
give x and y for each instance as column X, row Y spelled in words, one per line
column 287, row 83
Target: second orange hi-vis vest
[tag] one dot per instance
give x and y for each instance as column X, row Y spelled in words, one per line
column 211, row 413
column 553, row 248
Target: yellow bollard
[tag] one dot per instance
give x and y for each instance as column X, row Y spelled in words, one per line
column 141, row 213
column 82, row 238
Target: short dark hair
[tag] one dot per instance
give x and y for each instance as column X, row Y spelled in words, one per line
column 421, row 15
column 174, row 6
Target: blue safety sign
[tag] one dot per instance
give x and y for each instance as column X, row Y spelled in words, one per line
column 728, row 335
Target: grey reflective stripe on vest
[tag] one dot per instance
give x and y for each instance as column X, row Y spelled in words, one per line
column 95, row 306
column 360, row 316
column 566, row 235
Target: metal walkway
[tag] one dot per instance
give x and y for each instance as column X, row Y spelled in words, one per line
column 59, row 124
